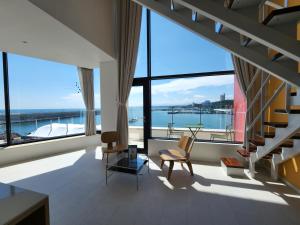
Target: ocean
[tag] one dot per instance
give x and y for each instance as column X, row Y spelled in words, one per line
column 160, row 118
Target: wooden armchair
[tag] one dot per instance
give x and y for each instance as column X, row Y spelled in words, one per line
column 109, row 138
column 172, row 155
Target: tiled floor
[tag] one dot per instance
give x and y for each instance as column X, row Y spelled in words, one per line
column 75, row 183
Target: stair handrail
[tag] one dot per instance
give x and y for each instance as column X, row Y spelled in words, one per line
column 258, row 94
column 276, row 93
column 253, row 80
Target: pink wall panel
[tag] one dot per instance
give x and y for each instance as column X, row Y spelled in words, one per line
column 239, row 110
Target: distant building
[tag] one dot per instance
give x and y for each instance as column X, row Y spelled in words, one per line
column 205, row 103
column 222, row 97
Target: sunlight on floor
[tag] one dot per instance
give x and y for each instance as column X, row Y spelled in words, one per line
column 30, row 169
column 98, row 153
column 292, row 196
column 203, row 195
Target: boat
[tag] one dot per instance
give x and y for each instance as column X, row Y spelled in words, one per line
column 132, row 120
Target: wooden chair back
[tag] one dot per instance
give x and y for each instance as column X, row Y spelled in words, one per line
column 186, row 144
column 109, row 137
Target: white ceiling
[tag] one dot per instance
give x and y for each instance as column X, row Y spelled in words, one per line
column 45, row 37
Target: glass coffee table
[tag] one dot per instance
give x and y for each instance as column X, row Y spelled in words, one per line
column 129, row 166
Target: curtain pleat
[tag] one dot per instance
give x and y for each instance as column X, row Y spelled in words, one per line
column 130, row 23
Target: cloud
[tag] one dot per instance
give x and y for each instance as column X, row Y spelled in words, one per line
column 76, row 100
column 72, row 97
column 136, row 90
column 186, row 84
column 198, row 97
column 73, row 100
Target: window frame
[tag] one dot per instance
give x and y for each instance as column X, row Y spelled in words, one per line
column 149, row 78
column 7, row 110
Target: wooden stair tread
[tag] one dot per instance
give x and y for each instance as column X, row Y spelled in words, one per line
column 293, row 91
column 294, row 109
column 296, row 136
column 272, row 135
column 243, row 152
column 258, row 141
column 287, row 144
column 276, row 151
column 232, row 162
column 276, row 124
column 269, row 134
column 252, row 148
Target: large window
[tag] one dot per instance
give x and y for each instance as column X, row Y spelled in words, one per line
column 191, row 84
column 45, row 99
column 2, row 106
column 97, row 98
column 141, row 64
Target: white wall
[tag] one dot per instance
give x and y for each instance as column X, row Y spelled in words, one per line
column 26, row 152
column 47, row 38
column 92, row 19
column 109, row 95
column 202, row 151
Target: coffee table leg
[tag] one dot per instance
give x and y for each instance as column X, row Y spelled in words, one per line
column 137, row 181
column 106, row 175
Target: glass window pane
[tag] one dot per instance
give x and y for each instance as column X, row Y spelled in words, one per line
column 141, row 64
column 97, row 98
column 135, row 117
column 2, row 106
column 176, row 50
column 200, row 106
column 45, row 99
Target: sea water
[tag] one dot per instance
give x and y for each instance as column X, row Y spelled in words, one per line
column 160, row 118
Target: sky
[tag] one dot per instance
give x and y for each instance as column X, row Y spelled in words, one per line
column 176, row 50
column 41, row 84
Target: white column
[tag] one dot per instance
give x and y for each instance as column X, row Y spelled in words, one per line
column 109, row 95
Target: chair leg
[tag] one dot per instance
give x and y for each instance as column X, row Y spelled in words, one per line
column 190, row 167
column 170, row 169
column 102, row 155
column 162, row 164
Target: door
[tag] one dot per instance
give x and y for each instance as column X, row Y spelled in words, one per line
column 138, row 118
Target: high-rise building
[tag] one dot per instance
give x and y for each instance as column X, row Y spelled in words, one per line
column 222, row 97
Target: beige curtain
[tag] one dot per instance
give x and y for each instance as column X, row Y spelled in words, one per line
column 86, row 78
column 129, row 34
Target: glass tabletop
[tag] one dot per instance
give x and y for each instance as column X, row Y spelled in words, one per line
column 127, row 165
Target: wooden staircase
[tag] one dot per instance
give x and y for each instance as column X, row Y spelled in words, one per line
column 264, row 34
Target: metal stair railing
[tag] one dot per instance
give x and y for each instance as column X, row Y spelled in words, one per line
column 263, row 105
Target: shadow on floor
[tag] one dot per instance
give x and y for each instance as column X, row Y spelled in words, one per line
column 78, row 195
